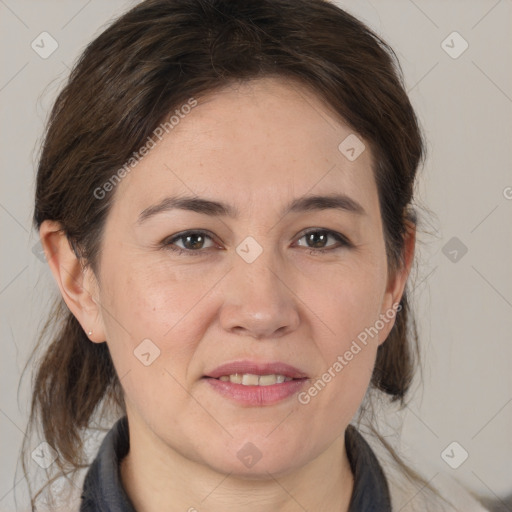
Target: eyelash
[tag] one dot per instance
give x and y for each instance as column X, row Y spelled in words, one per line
column 168, row 242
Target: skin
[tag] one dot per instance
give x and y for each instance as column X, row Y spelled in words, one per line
column 255, row 146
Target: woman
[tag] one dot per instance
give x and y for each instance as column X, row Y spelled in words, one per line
column 224, row 198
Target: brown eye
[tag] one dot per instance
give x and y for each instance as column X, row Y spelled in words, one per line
column 317, row 239
column 191, row 242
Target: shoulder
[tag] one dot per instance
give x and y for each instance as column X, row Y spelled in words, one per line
column 408, row 495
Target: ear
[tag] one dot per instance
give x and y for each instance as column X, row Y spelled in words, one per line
column 396, row 283
column 78, row 285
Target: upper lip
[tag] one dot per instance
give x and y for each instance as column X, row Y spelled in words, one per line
column 256, row 368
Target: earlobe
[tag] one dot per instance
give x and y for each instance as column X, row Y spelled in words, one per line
column 77, row 285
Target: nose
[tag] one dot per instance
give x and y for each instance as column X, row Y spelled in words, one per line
column 257, row 299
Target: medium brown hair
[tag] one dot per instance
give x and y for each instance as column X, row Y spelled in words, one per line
column 145, row 65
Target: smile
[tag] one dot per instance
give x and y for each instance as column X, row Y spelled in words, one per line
column 250, row 379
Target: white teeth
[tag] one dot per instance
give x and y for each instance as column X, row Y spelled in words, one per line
column 236, row 378
column 249, row 379
column 267, row 380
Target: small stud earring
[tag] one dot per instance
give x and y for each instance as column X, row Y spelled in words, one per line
column 89, row 333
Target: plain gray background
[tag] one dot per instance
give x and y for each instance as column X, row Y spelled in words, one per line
column 463, row 299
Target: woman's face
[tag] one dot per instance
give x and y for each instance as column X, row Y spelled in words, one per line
column 253, row 287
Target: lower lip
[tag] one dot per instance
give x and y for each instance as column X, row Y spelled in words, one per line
column 257, row 395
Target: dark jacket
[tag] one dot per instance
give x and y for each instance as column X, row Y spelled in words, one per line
column 103, row 490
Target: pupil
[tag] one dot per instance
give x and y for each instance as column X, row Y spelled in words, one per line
column 316, row 238
column 194, row 245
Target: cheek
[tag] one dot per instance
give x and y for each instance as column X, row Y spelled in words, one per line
column 150, row 339
column 152, row 299
column 351, row 299
column 155, row 317
column 350, row 309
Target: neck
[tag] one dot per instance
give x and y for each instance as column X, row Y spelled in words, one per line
column 156, row 478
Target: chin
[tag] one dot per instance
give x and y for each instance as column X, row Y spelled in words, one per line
column 248, row 462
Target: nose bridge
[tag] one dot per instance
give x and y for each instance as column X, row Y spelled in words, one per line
column 256, row 271
column 257, row 300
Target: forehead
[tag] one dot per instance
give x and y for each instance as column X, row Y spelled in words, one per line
column 257, row 142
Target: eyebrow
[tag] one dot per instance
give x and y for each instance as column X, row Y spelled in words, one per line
column 215, row 208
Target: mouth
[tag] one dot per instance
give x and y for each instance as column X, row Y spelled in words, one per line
column 256, row 384
column 250, row 373
column 251, row 379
